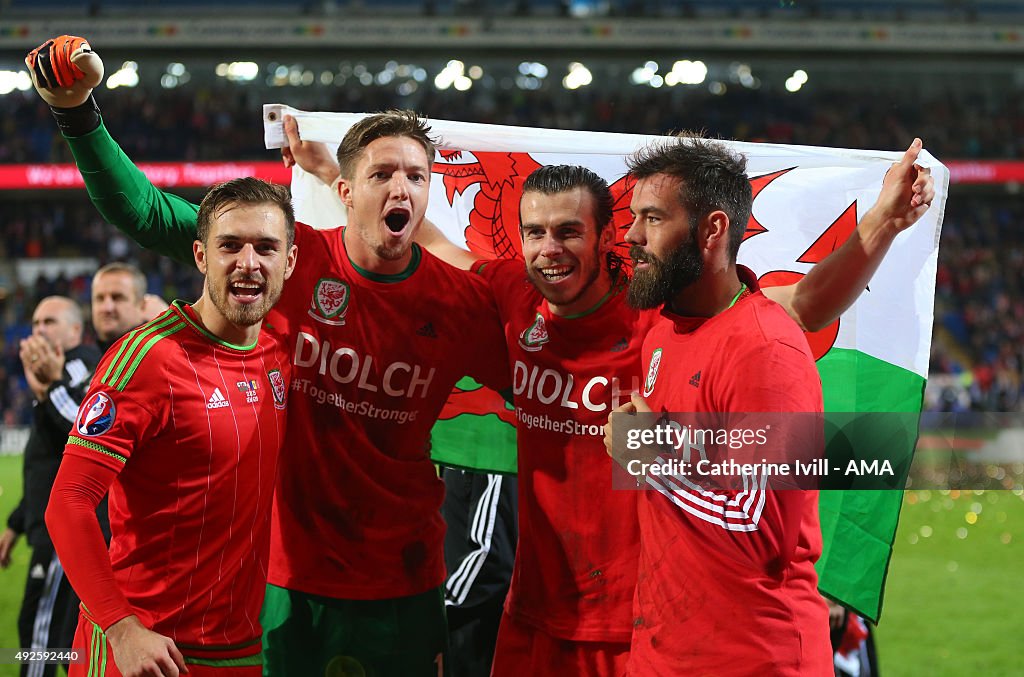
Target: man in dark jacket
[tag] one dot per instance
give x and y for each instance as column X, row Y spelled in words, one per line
column 57, row 369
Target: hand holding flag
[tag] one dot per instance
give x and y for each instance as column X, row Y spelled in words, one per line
column 907, row 191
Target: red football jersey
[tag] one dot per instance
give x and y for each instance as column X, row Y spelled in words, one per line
column 193, row 426
column 727, row 584
column 375, row 357
column 575, row 568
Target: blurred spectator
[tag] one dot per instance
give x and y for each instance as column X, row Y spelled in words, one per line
column 222, row 122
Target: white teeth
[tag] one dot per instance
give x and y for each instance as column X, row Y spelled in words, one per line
column 556, row 272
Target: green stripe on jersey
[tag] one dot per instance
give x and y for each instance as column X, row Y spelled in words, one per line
column 73, row 439
column 131, row 340
column 247, row 661
column 126, row 371
column 210, row 335
column 97, row 653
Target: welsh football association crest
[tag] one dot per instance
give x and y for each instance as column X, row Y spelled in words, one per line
column 279, row 387
column 652, row 372
column 330, row 301
column 535, row 336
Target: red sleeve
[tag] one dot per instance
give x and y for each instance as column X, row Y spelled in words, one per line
column 499, row 271
column 71, row 520
column 486, row 354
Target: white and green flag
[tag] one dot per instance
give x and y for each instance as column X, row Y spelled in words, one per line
column 807, row 201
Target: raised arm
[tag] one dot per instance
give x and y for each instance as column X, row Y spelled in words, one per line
column 834, row 284
column 430, row 237
column 64, row 71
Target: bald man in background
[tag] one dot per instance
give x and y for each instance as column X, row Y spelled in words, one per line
column 57, row 369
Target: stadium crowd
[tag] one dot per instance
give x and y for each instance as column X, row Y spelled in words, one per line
column 979, row 303
column 979, row 306
column 221, row 123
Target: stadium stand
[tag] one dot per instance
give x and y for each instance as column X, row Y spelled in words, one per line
column 964, row 109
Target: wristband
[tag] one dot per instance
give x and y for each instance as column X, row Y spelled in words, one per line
column 78, row 121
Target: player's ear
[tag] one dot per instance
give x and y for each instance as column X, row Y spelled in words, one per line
column 289, row 266
column 345, row 192
column 199, row 253
column 713, row 230
column 607, row 238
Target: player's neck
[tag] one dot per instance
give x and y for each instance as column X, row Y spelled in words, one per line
column 225, row 330
column 366, row 259
column 714, row 292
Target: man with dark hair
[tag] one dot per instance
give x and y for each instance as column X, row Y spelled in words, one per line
column 726, row 580
column 57, row 369
column 575, row 346
column 183, row 425
column 356, row 564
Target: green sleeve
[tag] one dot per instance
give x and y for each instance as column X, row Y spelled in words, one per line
column 125, row 197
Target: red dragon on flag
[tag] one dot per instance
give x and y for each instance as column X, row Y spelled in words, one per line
column 493, row 228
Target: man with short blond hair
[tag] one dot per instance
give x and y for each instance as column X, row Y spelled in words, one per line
column 118, row 301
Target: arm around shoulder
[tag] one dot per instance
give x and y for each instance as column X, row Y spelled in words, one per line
column 430, row 237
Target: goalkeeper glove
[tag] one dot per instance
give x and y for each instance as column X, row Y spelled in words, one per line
column 64, row 71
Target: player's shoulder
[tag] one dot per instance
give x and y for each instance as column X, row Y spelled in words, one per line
column 318, row 241
column 500, row 270
column 435, row 271
column 760, row 323
column 143, row 352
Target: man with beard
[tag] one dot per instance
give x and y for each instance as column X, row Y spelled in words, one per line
column 575, row 345
column 725, row 585
column 183, row 424
column 356, row 564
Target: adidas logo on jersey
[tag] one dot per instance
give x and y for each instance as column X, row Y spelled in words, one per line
column 620, row 345
column 695, row 380
column 427, row 330
column 217, row 400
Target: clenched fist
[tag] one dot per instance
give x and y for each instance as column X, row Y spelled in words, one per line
column 64, row 70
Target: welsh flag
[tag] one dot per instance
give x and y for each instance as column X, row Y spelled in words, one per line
column 807, row 201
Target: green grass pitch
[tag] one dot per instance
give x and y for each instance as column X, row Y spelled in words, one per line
column 952, row 603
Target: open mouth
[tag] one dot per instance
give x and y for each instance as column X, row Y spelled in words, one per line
column 245, row 291
column 556, row 273
column 396, row 220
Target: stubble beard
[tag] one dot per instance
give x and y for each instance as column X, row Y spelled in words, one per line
column 244, row 315
column 540, row 284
